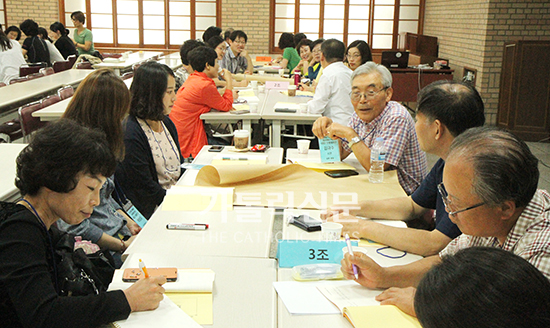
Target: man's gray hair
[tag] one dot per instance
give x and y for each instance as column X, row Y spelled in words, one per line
column 504, row 167
column 372, row 67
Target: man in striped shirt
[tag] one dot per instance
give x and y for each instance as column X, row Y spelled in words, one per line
column 490, row 191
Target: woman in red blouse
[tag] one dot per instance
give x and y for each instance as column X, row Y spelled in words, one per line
column 199, row 95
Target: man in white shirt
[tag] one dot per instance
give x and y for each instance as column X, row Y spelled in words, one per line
column 332, row 96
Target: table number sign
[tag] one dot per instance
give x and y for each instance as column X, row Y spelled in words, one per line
column 330, row 150
column 277, row 85
column 298, row 252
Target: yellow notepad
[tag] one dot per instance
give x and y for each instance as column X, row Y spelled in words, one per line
column 196, row 305
column 382, row 316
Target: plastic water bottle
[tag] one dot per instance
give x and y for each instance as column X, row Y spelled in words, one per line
column 377, row 159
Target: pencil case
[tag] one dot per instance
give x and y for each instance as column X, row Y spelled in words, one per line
column 323, row 271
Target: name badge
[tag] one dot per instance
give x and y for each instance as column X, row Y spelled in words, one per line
column 277, row 85
column 330, row 150
column 134, row 214
column 299, row 252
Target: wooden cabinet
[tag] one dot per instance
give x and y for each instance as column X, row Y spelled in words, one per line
column 524, row 99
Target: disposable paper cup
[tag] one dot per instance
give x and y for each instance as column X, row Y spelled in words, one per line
column 281, row 71
column 291, row 90
column 331, row 230
column 254, row 84
column 303, row 146
column 355, row 249
column 261, row 89
column 240, row 138
column 303, row 108
column 253, row 106
column 261, row 72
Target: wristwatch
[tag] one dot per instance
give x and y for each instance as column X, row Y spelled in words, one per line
column 353, row 141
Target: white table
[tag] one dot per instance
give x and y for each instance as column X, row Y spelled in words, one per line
column 173, row 55
column 277, row 119
column 314, row 156
column 285, row 319
column 15, row 94
column 8, row 154
column 274, row 156
column 243, row 232
column 217, row 117
column 243, row 294
column 133, row 58
column 173, row 63
column 55, row 111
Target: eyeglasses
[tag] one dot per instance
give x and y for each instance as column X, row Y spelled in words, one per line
column 447, row 202
column 316, row 51
column 239, row 42
column 356, row 96
column 353, row 56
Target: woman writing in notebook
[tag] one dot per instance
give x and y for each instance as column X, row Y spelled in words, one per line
column 152, row 161
column 59, row 174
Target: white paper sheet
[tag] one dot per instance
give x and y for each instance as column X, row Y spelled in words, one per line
column 304, row 298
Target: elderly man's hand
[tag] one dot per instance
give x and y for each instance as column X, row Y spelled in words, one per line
column 370, row 274
column 320, row 127
column 403, row 298
column 336, row 131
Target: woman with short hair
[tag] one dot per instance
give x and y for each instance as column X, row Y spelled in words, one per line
column 34, row 47
column 83, row 38
column 59, row 174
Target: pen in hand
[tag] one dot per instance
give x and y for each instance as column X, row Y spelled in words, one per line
column 350, row 251
column 143, row 268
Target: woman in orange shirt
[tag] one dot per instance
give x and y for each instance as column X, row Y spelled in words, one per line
column 199, row 95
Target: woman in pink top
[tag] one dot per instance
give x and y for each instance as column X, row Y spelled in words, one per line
column 199, row 95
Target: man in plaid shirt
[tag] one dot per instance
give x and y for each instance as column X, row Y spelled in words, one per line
column 490, row 191
column 376, row 116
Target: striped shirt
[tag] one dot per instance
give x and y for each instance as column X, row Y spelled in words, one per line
column 529, row 238
column 396, row 126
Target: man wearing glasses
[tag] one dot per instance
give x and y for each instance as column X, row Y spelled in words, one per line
column 445, row 110
column 490, row 191
column 377, row 116
column 236, row 59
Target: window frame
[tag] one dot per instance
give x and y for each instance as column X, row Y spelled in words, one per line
column 395, row 33
column 5, row 14
column 141, row 44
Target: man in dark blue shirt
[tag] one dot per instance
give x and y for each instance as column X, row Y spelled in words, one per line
column 445, row 110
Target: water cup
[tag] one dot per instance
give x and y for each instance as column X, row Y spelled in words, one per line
column 303, row 146
column 240, row 139
column 261, row 88
column 253, row 107
column 281, row 71
column 331, row 230
column 303, row 108
column 254, row 84
column 261, row 72
column 291, row 90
